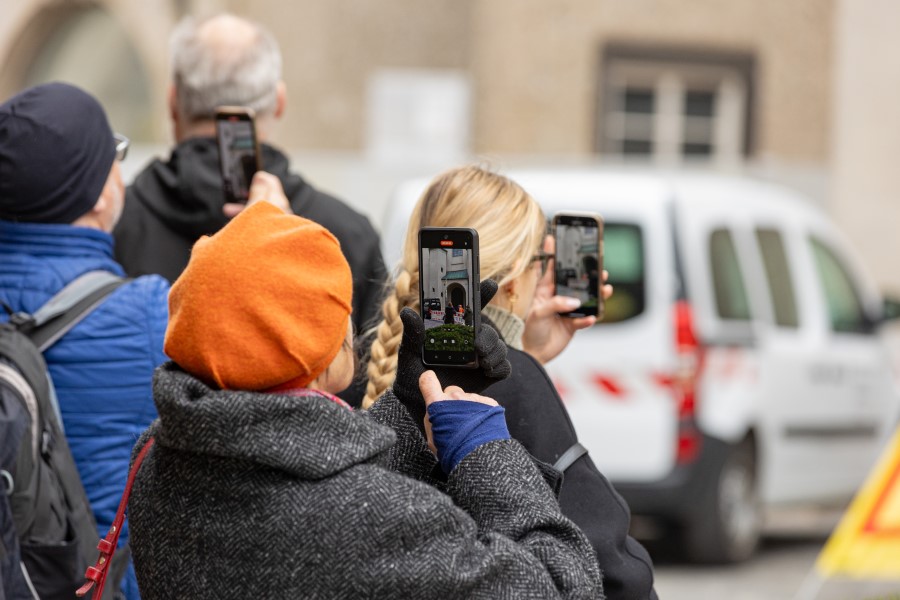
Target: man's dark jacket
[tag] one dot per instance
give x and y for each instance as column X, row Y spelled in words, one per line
column 172, row 204
column 537, row 418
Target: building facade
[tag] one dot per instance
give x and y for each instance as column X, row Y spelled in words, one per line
column 802, row 92
column 447, row 277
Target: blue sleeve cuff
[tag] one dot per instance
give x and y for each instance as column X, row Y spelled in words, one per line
column 460, row 426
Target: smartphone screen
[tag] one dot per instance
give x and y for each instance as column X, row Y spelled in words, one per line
column 579, row 261
column 238, row 151
column 449, row 295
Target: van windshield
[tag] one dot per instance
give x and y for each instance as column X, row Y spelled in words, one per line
column 623, row 258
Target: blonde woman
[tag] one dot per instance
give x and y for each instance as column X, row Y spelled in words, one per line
column 515, row 253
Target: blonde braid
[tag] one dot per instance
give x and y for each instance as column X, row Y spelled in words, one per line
column 382, row 368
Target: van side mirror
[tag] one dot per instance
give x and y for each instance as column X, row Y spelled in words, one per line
column 891, row 309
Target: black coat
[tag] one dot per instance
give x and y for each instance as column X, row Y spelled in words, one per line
column 250, row 495
column 172, row 204
column 537, row 418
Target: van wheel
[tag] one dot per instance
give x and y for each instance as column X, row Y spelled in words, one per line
column 728, row 523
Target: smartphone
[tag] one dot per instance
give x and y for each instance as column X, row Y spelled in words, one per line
column 239, row 155
column 578, row 262
column 449, row 295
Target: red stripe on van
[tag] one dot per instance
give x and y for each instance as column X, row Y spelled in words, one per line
column 688, row 445
column 664, row 380
column 684, row 383
column 609, row 385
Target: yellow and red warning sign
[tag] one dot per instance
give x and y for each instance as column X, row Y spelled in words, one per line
column 866, row 543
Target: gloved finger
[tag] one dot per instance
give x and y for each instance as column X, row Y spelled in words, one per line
column 488, row 289
column 409, row 367
column 413, row 331
column 492, row 354
column 501, row 369
column 486, row 339
column 486, row 345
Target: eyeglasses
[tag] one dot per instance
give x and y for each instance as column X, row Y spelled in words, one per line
column 122, row 144
column 544, row 258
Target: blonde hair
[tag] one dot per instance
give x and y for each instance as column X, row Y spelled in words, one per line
column 510, row 227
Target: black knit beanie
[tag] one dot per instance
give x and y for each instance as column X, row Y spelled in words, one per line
column 56, row 151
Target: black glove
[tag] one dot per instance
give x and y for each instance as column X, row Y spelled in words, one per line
column 491, row 351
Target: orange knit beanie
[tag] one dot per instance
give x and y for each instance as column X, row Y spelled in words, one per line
column 264, row 302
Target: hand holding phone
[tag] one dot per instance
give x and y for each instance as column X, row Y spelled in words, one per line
column 264, row 187
column 490, row 348
column 449, row 295
column 239, row 155
column 578, row 261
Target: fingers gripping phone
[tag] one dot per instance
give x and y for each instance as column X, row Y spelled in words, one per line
column 239, row 156
column 449, row 295
column 578, row 263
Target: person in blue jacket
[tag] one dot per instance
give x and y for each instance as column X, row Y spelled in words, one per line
column 61, row 193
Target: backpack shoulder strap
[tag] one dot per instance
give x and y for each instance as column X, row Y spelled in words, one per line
column 565, row 461
column 69, row 306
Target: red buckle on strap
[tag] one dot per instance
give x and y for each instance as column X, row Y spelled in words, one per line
column 97, row 574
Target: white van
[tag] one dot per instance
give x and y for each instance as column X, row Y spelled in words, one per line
column 741, row 362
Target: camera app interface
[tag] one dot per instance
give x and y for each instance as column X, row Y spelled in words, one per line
column 238, row 156
column 447, row 293
column 578, row 262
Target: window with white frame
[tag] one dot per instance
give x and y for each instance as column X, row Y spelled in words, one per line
column 674, row 107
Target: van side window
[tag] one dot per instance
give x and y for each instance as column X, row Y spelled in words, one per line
column 844, row 306
column 623, row 258
column 778, row 274
column 728, row 282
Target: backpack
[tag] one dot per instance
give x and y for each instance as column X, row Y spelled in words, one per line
column 52, row 518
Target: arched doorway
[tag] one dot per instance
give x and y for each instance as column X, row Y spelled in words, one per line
column 83, row 44
column 457, row 295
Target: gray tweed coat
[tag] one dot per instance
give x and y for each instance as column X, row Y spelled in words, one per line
column 266, row 496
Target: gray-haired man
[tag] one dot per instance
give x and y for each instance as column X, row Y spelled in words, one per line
column 226, row 60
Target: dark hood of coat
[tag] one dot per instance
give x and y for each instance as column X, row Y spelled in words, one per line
column 309, row 437
column 186, row 192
